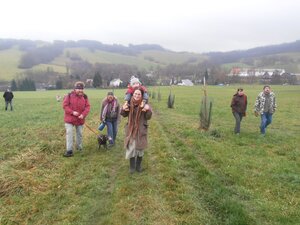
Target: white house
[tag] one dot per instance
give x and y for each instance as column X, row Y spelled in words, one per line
column 115, row 83
column 186, row 82
column 246, row 72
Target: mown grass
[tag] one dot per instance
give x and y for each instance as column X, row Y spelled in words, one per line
column 190, row 177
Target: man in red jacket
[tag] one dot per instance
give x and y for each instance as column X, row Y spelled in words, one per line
column 76, row 106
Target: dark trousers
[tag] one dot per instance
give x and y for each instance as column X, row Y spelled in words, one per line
column 8, row 103
column 238, row 119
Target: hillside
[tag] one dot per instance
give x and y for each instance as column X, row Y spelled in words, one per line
column 19, row 56
column 16, row 59
column 285, row 56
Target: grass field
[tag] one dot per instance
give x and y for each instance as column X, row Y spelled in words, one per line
column 9, row 61
column 190, row 177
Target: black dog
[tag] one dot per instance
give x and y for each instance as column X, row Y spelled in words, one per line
column 102, row 140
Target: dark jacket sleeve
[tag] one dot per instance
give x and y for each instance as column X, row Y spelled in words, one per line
column 148, row 114
column 124, row 113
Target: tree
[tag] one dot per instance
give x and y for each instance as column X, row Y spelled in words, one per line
column 27, row 85
column 206, row 75
column 97, row 81
column 59, row 84
column 13, row 85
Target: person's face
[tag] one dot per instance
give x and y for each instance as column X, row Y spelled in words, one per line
column 79, row 91
column 135, row 85
column 267, row 90
column 110, row 98
column 240, row 92
column 137, row 95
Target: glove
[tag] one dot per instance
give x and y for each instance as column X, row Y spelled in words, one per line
column 256, row 114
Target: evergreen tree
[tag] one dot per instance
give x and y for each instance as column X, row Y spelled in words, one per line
column 59, row 84
column 13, row 85
column 97, row 81
column 206, row 75
column 27, row 85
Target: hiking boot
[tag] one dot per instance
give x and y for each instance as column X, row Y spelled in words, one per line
column 132, row 165
column 138, row 164
column 68, row 154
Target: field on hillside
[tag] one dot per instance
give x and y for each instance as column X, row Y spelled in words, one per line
column 9, row 61
column 190, row 177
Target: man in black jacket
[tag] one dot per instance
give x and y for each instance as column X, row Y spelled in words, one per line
column 8, row 96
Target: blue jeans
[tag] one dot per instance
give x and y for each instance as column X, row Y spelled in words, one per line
column 112, row 130
column 266, row 119
column 69, row 136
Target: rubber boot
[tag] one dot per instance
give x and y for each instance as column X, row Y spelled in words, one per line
column 139, row 164
column 132, row 165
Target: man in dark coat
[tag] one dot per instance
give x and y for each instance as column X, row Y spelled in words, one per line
column 8, row 96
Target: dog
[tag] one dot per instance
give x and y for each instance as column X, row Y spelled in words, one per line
column 102, row 140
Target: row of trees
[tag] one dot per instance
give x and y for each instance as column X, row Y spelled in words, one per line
column 23, row 85
column 285, row 78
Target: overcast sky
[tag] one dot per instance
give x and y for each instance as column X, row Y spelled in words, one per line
column 179, row 25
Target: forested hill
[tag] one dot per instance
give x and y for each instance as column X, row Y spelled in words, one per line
column 234, row 56
column 27, row 45
column 44, row 61
column 38, row 52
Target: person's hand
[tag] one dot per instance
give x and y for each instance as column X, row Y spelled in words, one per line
column 146, row 107
column 75, row 113
column 256, row 114
column 125, row 107
column 80, row 117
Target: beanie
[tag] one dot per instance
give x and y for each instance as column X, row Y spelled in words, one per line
column 79, row 85
column 134, row 80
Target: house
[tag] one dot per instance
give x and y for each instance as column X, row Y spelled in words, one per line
column 246, row 72
column 89, row 82
column 115, row 82
column 186, row 82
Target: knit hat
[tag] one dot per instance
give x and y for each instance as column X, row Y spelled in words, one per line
column 79, row 85
column 110, row 93
column 134, row 80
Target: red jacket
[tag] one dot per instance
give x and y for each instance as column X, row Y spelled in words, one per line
column 80, row 104
column 130, row 89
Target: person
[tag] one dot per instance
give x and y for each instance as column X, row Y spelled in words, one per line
column 136, row 130
column 239, row 108
column 109, row 115
column 76, row 108
column 8, row 97
column 134, row 84
column 265, row 106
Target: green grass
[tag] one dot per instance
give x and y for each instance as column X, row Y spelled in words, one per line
column 190, row 177
column 9, row 61
column 166, row 58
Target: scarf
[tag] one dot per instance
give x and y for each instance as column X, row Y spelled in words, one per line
column 133, row 121
column 107, row 109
